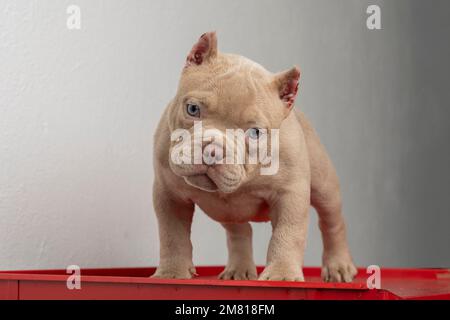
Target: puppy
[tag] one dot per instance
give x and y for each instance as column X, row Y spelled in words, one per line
column 224, row 91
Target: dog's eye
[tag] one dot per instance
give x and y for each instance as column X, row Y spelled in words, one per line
column 254, row 133
column 193, row 110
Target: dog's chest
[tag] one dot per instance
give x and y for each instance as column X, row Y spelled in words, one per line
column 229, row 209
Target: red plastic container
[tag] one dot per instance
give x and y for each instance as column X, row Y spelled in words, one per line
column 134, row 283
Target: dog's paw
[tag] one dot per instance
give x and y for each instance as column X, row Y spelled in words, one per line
column 338, row 268
column 282, row 273
column 245, row 271
column 174, row 273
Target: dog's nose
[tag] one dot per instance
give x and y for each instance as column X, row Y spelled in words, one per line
column 212, row 153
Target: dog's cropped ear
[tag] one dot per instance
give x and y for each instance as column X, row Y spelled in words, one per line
column 287, row 84
column 205, row 49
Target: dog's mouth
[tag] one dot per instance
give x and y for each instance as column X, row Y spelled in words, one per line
column 202, row 182
column 210, row 178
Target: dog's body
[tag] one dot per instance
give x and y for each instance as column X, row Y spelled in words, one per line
column 230, row 91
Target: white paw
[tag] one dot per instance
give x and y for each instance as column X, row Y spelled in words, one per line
column 246, row 271
column 338, row 268
column 282, row 273
column 174, row 272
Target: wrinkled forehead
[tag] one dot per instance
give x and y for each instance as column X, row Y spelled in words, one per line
column 234, row 87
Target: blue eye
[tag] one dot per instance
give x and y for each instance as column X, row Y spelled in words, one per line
column 254, row 133
column 193, row 110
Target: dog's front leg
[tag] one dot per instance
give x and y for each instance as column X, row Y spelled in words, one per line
column 174, row 221
column 289, row 217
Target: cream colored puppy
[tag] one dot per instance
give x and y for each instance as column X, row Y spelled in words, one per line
column 226, row 91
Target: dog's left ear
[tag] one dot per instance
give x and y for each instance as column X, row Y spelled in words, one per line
column 287, row 84
column 205, row 49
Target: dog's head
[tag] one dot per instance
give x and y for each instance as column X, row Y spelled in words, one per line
column 219, row 93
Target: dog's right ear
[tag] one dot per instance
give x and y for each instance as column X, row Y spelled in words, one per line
column 205, row 49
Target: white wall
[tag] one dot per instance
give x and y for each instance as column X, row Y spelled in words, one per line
column 78, row 110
